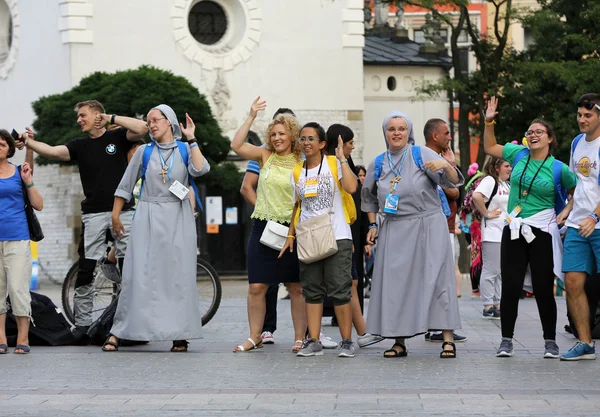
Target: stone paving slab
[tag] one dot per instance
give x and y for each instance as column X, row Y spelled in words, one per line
column 212, row 381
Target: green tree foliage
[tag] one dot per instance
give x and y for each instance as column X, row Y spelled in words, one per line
column 133, row 93
column 548, row 78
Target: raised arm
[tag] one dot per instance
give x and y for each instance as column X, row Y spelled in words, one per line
column 35, row 198
column 239, row 144
column 490, row 145
column 349, row 180
column 53, row 152
column 136, row 128
column 200, row 165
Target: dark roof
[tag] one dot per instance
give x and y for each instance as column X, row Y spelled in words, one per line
column 383, row 51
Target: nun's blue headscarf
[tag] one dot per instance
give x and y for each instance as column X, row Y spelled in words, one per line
column 170, row 115
column 394, row 114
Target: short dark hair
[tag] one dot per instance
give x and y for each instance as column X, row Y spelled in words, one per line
column 592, row 98
column 6, row 137
column 549, row 131
column 333, row 132
column 283, row 110
column 359, row 168
column 92, row 104
column 432, row 126
column 320, row 131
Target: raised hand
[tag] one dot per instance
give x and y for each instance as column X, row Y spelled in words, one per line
column 190, row 128
column 101, row 120
column 449, row 156
column 339, row 151
column 491, row 111
column 26, row 173
column 257, row 106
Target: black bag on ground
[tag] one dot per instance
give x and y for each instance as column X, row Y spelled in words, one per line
column 48, row 326
column 100, row 329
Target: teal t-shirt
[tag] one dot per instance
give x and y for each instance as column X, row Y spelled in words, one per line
column 543, row 194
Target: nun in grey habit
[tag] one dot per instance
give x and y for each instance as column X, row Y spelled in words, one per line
column 159, row 299
column 413, row 285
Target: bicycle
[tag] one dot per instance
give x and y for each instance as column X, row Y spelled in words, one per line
column 106, row 287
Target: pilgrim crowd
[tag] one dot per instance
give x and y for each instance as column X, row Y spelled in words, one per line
column 317, row 219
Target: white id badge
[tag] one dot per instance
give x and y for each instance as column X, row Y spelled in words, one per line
column 180, row 190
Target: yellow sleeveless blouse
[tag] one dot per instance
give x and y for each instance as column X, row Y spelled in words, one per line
column 275, row 178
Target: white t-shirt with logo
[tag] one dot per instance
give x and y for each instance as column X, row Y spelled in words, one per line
column 492, row 228
column 315, row 206
column 584, row 164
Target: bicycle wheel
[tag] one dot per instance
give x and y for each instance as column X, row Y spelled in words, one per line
column 209, row 290
column 103, row 293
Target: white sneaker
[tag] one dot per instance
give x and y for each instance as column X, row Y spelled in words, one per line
column 327, row 342
column 368, row 339
column 267, row 338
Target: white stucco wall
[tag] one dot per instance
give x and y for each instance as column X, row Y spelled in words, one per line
column 41, row 65
column 379, row 101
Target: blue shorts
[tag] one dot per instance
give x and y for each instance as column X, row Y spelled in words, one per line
column 582, row 254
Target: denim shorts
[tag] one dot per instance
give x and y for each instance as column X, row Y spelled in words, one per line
column 582, row 254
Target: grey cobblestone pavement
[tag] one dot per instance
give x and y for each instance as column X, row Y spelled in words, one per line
column 211, row 380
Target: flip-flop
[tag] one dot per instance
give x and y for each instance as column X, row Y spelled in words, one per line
column 240, row 348
column 3, row 349
column 26, row 349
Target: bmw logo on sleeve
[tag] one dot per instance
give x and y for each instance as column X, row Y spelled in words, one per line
column 111, row 149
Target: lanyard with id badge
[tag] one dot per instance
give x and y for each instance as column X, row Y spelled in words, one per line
column 177, row 188
column 391, row 198
column 523, row 195
column 311, row 187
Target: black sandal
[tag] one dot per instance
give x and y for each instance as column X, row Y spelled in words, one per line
column 109, row 343
column 395, row 353
column 448, row 354
column 180, row 346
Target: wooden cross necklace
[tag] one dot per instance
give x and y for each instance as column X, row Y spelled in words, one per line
column 165, row 169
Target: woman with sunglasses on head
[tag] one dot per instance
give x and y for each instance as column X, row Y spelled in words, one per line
column 531, row 238
column 273, row 204
column 413, row 288
column 318, row 187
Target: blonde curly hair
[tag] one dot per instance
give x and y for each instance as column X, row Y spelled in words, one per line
column 292, row 126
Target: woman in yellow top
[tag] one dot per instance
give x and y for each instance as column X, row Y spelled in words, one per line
column 273, row 202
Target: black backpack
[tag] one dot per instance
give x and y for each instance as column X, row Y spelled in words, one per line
column 100, row 329
column 48, row 327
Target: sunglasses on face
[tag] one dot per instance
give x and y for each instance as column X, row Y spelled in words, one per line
column 587, row 105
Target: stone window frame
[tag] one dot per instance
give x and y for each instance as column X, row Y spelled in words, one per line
column 7, row 65
column 241, row 38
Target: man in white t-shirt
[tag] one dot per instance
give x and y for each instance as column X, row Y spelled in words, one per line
column 582, row 241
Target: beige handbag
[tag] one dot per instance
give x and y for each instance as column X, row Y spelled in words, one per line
column 275, row 234
column 315, row 238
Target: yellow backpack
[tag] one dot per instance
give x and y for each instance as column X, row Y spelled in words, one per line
column 347, row 200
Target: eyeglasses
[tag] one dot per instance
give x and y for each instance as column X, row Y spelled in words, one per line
column 400, row 129
column 154, row 121
column 587, row 104
column 311, row 139
column 536, row 132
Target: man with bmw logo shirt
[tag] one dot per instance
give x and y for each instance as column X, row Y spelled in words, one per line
column 101, row 156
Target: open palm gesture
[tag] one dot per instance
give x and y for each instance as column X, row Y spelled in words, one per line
column 339, row 151
column 190, row 128
column 491, row 111
column 257, row 106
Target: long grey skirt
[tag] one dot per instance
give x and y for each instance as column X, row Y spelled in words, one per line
column 159, row 298
column 413, row 288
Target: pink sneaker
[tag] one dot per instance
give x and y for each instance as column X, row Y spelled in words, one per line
column 267, row 338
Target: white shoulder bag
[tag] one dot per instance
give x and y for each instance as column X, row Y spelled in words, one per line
column 275, row 234
column 315, row 238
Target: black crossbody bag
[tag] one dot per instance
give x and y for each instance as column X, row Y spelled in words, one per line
column 35, row 230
